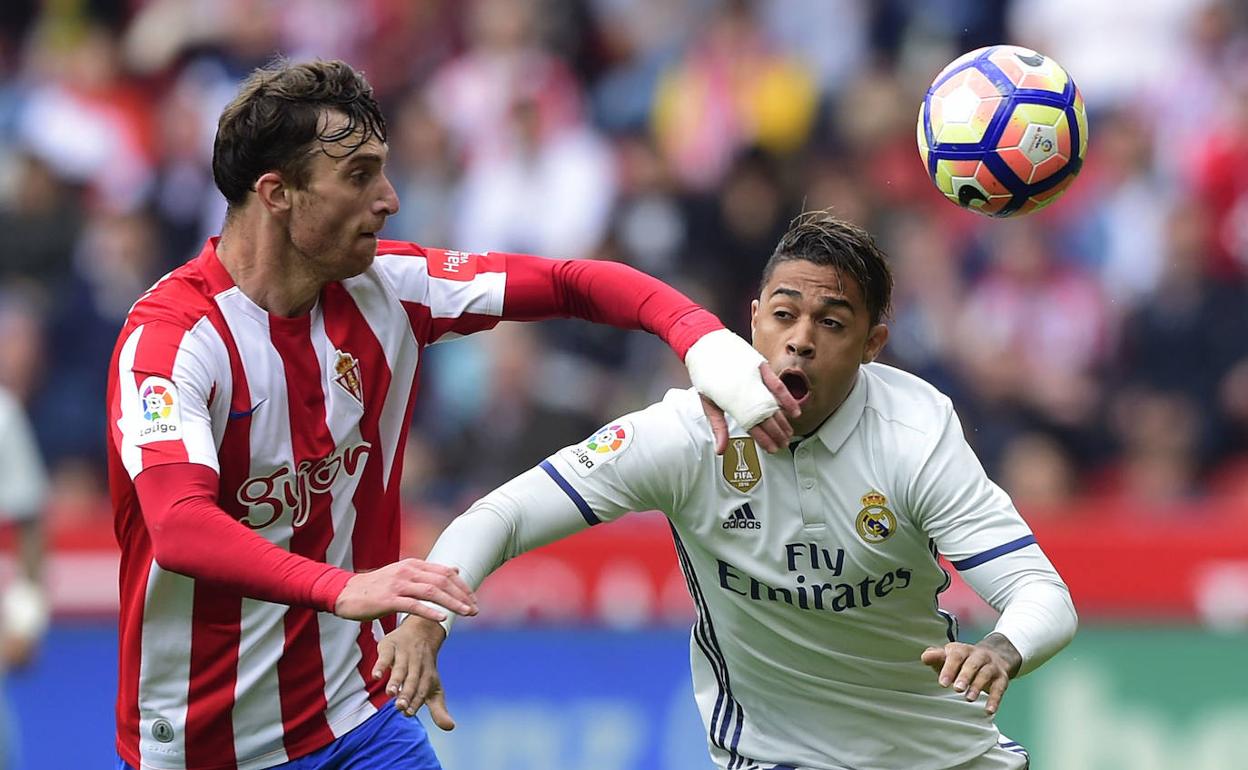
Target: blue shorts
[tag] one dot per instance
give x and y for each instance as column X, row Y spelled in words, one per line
column 387, row 739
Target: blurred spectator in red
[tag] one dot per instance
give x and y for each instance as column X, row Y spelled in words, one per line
column 1033, row 341
column 1222, row 185
column 476, row 93
column 85, row 117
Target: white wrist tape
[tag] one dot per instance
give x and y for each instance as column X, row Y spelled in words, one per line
column 25, row 610
column 724, row 368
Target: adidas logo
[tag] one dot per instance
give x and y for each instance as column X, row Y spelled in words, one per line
column 742, row 518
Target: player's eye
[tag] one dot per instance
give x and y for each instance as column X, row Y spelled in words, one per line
column 783, row 315
column 832, row 323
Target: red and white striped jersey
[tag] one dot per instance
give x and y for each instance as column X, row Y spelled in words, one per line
column 303, row 419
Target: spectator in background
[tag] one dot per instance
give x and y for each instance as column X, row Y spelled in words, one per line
column 86, row 118
column 1038, row 474
column 1156, row 470
column 1175, row 342
column 24, row 607
column 1039, row 340
column 732, row 89
column 423, row 171
column 41, row 222
column 1123, row 219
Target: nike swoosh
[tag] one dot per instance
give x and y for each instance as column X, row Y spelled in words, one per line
column 248, row 413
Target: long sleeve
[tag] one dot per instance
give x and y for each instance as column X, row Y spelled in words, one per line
column 603, row 292
column 193, row 536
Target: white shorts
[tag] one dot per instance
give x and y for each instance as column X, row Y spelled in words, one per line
column 1006, row 755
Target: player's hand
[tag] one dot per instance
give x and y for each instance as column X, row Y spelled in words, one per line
column 773, row 433
column 410, row 654
column 725, row 370
column 17, row 651
column 976, row 668
column 401, row 587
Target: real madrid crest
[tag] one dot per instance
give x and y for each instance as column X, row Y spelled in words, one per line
column 875, row 522
column 741, row 467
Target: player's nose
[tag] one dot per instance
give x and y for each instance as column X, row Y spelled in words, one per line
column 801, row 341
column 387, row 203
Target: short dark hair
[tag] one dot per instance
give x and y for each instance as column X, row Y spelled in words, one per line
column 819, row 237
column 276, row 117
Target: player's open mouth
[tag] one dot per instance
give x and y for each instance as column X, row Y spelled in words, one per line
column 795, row 380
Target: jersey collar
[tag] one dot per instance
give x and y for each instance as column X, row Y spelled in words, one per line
column 836, row 429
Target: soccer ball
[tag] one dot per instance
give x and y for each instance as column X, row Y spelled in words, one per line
column 1003, row 131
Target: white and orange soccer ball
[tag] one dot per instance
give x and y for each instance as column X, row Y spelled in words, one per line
column 1003, row 131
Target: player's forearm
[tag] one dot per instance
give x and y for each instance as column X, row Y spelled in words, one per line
column 525, row 513
column 1039, row 620
column 604, row 292
column 31, row 549
column 193, row 536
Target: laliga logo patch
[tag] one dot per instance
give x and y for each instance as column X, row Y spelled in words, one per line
column 875, row 522
column 161, row 418
column 740, row 465
column 601, row 448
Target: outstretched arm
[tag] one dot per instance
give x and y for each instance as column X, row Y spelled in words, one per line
column 193, row 536
column 723, row 367
column 525, row 513
column 1037, row 620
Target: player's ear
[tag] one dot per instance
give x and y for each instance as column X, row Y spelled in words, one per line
column 875, row 342
column 753, row 319
column 273, row 192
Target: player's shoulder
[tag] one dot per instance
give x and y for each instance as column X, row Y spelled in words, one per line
column 905, row 402
column 402, row 262
column 180, row 298
column 660, row 441
column 387, row 247
column 676, row 422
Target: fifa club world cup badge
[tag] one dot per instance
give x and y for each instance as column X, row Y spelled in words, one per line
column 347, row 375
column 875, row 522
column 741, row 467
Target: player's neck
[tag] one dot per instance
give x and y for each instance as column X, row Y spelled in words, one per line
column 260, row 261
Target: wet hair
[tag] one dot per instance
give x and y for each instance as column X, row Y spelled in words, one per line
column 278, row 119
column 822, row 239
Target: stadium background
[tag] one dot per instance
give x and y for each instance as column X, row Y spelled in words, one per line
column 1098, row 351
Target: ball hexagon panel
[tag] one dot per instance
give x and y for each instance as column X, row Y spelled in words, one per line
column 1027, row 69
column 970, row 183
column 1035, row 142
column 962, row 107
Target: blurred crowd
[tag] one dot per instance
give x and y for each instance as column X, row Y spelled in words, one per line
column 1097, row 351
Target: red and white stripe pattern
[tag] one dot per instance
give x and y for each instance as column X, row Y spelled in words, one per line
column 304, row 419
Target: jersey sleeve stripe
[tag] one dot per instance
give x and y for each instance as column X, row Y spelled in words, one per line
column 992, row 553
column 586, row 512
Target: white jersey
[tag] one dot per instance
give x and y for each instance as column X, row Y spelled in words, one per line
column 814, row 571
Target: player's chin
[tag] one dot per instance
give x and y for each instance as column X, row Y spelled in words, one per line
column 363, row 252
